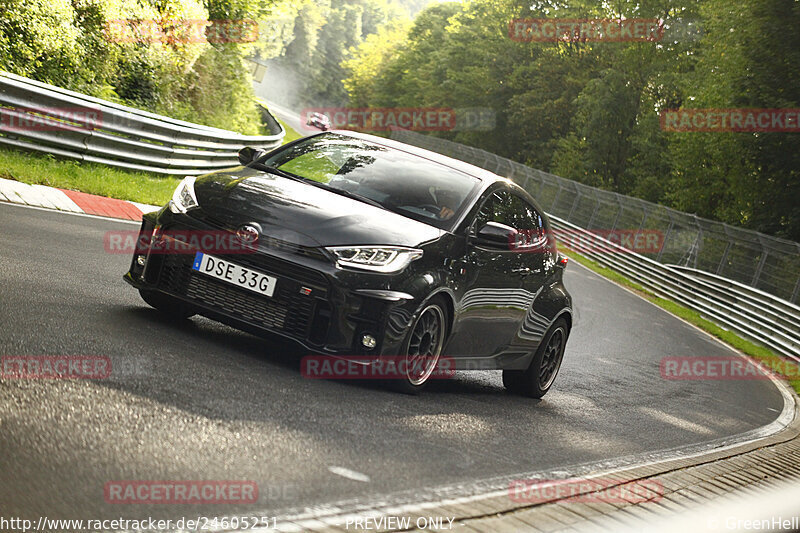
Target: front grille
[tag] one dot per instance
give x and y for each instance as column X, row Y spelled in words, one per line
column 217, row 295
column 287, row 310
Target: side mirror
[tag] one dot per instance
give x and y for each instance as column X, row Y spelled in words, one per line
column 248, row 154
column 496, row 235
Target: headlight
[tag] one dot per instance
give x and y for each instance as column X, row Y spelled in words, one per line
column 183, row 198
column 376, row 258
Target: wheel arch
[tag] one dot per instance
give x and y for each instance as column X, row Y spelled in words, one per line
column 566, row 314
column 444, row 294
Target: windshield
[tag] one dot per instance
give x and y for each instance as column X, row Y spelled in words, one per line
column 401, row 182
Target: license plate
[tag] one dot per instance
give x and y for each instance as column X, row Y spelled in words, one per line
column 234, row 274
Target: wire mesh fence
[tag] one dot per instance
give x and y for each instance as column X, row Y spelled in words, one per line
column 755, row 259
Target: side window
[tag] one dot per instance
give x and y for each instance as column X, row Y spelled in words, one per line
column 507, row 208
column 496, row 208
column 528, row 222
column 527, row 218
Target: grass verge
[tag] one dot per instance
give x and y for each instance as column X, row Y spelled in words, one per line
column 44, row 169
column 761, row 353
column 92, row 178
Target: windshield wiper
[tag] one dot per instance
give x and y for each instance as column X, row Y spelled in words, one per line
column 354, row 196
column 343, row 192
column 279, row 172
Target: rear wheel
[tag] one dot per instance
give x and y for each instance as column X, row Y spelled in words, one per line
column 423, row 346
column 172, row 307
column 542, row 372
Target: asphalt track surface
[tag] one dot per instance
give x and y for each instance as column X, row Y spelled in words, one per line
column 292, row 119
column 200, row 401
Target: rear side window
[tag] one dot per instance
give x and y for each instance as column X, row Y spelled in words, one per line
column 510, row 209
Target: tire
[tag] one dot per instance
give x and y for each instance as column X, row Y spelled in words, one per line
column 423, row 345
column 536, row 380
column 171, row 307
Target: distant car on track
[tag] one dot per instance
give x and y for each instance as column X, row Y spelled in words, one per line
column 362, row 246
column 319, row 120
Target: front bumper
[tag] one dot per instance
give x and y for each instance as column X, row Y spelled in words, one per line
column 315, row 304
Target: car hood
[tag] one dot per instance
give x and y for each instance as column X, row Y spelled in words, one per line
column 303, row 214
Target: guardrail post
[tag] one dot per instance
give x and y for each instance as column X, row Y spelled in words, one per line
column 541, row 186
column 724, row 257
column 666, row 237
column 760, row 266
column 590, row 225
column 555, row 200
column 574, row 205
column 619, row 213
column 644, row 218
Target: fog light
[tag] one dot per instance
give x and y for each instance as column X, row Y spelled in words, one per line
column 369, row 341
column 141, row 260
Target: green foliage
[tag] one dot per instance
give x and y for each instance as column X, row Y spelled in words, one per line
column 748, row 58
column 72, row 44
column 589, row 111
column 325, row 34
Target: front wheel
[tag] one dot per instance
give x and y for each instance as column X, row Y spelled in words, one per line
column 542, row 372
column 171, row 307
column 423, row 346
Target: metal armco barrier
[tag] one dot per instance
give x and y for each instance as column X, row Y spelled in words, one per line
column 774, row 324
column 750, row 309
column 44, row 118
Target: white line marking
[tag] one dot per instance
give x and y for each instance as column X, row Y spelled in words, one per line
column 349, row 474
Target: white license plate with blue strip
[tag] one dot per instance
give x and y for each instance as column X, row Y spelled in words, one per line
column 234, row 274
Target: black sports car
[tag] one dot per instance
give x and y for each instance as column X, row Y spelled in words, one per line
column 355, row 245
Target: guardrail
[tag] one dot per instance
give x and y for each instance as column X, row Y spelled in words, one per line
column 772, row 324
column 750, row 312
column 44, row 118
